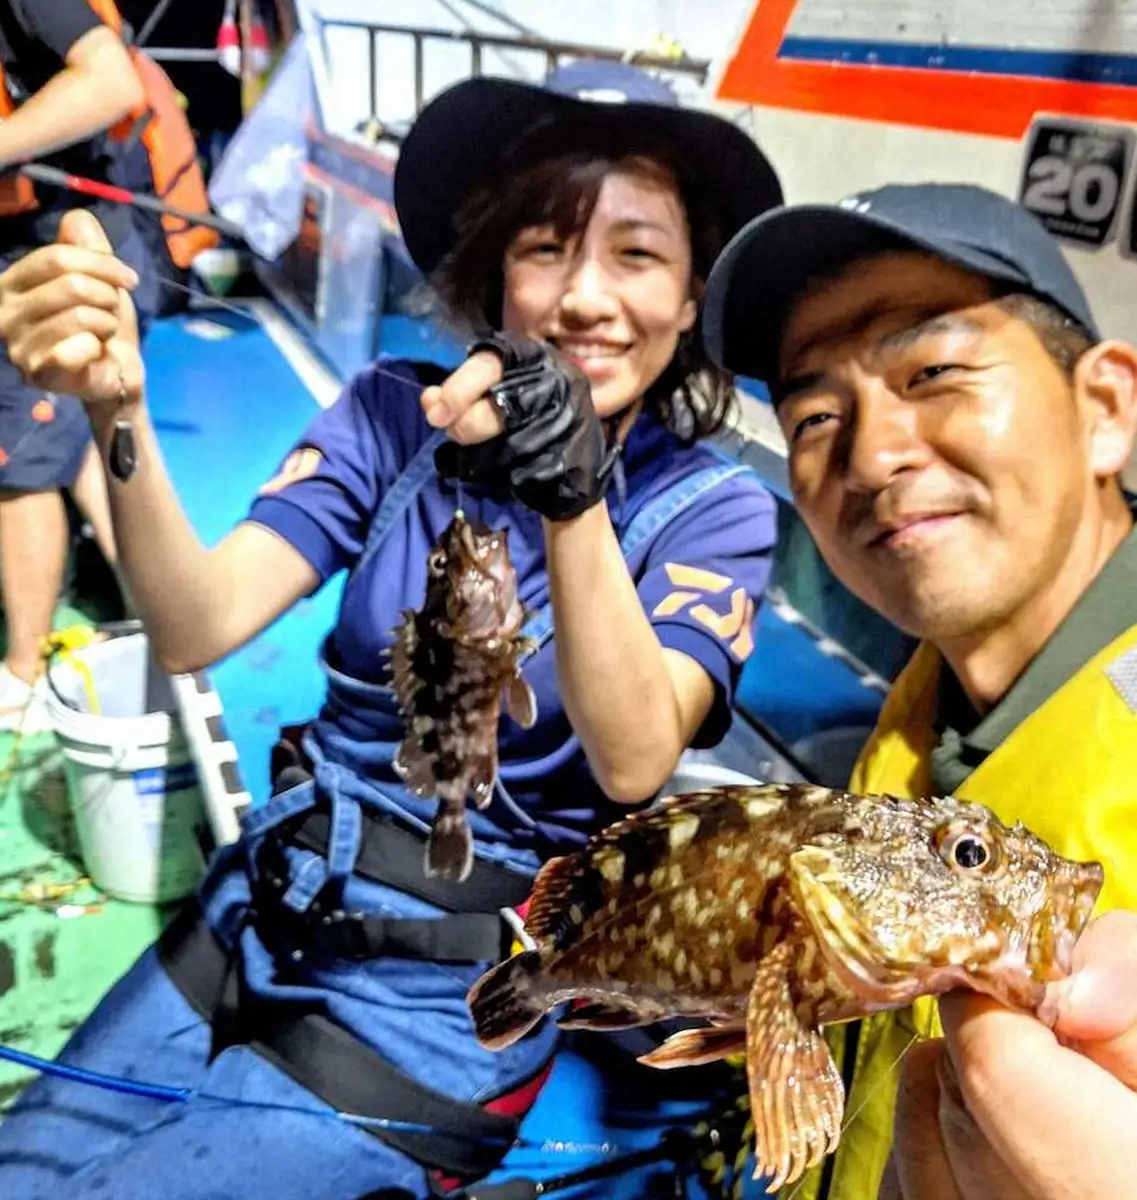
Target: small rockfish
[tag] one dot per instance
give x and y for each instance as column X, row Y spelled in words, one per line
column 771, row 911
column 450, row 663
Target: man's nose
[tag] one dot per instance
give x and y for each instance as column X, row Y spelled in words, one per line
column 883, row 439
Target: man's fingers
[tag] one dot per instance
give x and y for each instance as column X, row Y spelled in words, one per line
column 922, row 1166
column 1097, row 1005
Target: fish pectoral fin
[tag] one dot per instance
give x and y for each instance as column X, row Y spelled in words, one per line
column 482, row 779
column 520, row 702
column 604, row 1016
column 797, row 1099
column 693, row 1047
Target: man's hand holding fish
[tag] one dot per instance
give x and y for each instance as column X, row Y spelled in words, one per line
column 1004, row 1108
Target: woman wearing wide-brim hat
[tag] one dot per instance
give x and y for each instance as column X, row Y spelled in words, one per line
column 570, row 228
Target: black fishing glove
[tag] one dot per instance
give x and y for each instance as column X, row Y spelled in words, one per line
column 553, row 455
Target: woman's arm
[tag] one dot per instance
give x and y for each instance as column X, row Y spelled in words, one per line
column 197, row 603
column 635, row 705
column 69, row 325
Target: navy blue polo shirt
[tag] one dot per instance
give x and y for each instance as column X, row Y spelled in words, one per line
column 700, row 576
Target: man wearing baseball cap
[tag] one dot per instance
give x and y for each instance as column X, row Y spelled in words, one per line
column 957, row 427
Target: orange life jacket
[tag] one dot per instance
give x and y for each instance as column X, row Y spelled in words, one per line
column 161, row 125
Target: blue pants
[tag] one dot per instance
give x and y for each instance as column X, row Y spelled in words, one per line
column 69, row 1138
column 43, row 439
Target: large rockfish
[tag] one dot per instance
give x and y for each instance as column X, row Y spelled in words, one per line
column 771, row 911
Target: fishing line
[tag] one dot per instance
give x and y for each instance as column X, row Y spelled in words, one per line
column 179, row 1095
column 851, row 1117
column 207, row 302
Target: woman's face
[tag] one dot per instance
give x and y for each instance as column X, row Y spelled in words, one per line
column 613, row 297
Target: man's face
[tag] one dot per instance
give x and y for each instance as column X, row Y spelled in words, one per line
column 938, row 455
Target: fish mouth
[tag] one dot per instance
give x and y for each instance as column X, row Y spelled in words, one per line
column 1056, row 932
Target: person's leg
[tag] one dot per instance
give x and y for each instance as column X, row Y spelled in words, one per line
column 42, row 443
column 33, row 552
column 89, row 491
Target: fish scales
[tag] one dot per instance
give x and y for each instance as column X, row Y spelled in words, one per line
column 452, row 662
column 774, row 910
column 640, row 877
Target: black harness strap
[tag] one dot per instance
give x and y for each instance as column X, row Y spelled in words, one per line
column 333, row 1064
column 393, row 854
column 473, row 929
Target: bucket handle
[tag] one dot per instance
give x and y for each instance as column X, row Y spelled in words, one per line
column 119, row 753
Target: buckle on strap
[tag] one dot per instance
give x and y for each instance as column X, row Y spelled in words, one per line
column 325, row 929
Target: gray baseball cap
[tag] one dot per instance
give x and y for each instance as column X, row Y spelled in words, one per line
column 770, row 260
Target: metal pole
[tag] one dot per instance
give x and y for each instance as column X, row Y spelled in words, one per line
column 152, row 20
column 182, row 54
column 418, row 74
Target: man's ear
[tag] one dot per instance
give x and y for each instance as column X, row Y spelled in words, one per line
column 1105, row 383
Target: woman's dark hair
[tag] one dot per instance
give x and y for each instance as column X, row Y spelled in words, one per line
column 555, row 178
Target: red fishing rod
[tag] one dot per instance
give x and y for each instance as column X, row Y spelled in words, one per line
column 121, row 195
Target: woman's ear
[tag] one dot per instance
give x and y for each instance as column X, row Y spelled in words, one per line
column 689, row 313
column 1105, row 384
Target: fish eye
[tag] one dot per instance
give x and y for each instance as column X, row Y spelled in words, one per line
column 967, row 850
column 438, row 562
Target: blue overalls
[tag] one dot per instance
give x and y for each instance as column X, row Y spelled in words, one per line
column 348, row 993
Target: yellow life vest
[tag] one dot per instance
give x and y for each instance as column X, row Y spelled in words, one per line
column 1067, row 772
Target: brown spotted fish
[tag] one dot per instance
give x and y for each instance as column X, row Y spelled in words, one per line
column 451, row 663
column 771, row 911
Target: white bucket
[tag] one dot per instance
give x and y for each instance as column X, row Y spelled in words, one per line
column 132, row 780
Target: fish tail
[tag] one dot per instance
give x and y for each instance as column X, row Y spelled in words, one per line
column 450, row 848
column 503, row 1003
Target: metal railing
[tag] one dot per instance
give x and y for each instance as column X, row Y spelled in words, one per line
column 478, row 42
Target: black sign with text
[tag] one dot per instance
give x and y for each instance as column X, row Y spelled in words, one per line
column 1074, row 178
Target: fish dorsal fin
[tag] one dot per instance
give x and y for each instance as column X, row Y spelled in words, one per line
column 552, row 895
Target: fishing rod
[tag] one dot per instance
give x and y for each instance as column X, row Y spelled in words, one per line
column 678, row 1145
column 53, row 176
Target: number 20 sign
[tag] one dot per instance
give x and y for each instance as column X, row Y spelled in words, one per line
column 1074, row 178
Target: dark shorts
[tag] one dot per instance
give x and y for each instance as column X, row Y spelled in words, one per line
column 43, row 438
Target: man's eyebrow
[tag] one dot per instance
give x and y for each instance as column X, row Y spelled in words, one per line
column 794, row 386
column 950, row 322
column 937, row 323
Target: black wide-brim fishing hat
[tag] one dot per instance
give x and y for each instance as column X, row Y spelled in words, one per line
column 769, row 263
column 464, row 138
